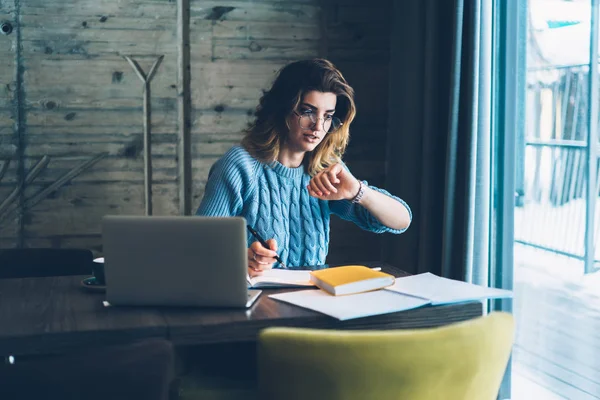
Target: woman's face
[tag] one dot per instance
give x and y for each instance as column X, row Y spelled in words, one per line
column 305, row 135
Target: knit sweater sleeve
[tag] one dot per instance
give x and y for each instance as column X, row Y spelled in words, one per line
column 229, row 184
column 362, row 217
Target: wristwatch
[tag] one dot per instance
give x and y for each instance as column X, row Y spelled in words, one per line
column 360, row 194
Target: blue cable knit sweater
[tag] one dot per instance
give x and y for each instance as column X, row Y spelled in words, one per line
column 274, row 200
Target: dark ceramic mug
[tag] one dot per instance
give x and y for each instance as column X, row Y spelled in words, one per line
column 98, row 270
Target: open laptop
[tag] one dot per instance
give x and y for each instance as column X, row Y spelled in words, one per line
column 176, row 261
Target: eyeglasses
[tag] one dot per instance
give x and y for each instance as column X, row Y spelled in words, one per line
column 308, row 120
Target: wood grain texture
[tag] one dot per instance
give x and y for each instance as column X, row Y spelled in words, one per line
column 212, row 328
column 9, row 229
column 92, row 242
column 255, row 11
column 43, row 315
column 184, row 107
column 100, row 10
column 84, row 205
column 358, row 36
column 236, row 51
column 96, row 87
column 8, row 233
column 84, row 99
column 78, row 82
column 191, row 327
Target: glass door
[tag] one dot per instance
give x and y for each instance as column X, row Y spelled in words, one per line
column 553, row 259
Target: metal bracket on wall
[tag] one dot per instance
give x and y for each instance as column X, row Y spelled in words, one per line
column 146, row 79
column 5, row 207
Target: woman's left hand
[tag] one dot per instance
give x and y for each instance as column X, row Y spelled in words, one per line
column 334, row 183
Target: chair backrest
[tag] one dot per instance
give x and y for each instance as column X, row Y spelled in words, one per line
column 463, row 361
column 39, row 262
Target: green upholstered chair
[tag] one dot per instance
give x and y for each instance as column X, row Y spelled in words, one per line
column 462, row 361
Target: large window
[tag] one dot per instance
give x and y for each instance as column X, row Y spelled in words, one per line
column 556, row 222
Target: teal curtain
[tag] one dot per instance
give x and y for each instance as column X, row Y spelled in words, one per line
column 439, row 138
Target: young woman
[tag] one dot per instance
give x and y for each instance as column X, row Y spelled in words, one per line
column 287, row 176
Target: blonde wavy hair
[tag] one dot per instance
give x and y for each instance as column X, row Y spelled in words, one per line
column 264, row 136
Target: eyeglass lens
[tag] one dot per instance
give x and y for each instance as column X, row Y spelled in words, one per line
column 329, row 124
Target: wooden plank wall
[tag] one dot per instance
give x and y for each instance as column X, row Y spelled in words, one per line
column 81, row 99
column 8, row 228
column 235, row 52
column 358, row 42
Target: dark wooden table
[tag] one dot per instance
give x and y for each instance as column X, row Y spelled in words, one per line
column 53, row 314
column 46, row 315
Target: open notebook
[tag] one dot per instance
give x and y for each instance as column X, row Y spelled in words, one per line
column 405, row 294
column 279, row 278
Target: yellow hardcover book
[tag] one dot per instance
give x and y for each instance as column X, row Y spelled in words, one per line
column 350, row 279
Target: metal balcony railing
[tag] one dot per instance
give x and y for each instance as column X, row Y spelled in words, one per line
column 552, row 164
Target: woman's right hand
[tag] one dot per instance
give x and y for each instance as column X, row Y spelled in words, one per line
column 261, row 258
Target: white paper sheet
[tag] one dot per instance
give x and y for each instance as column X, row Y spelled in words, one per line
column 444, row 291
column 351, row 306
